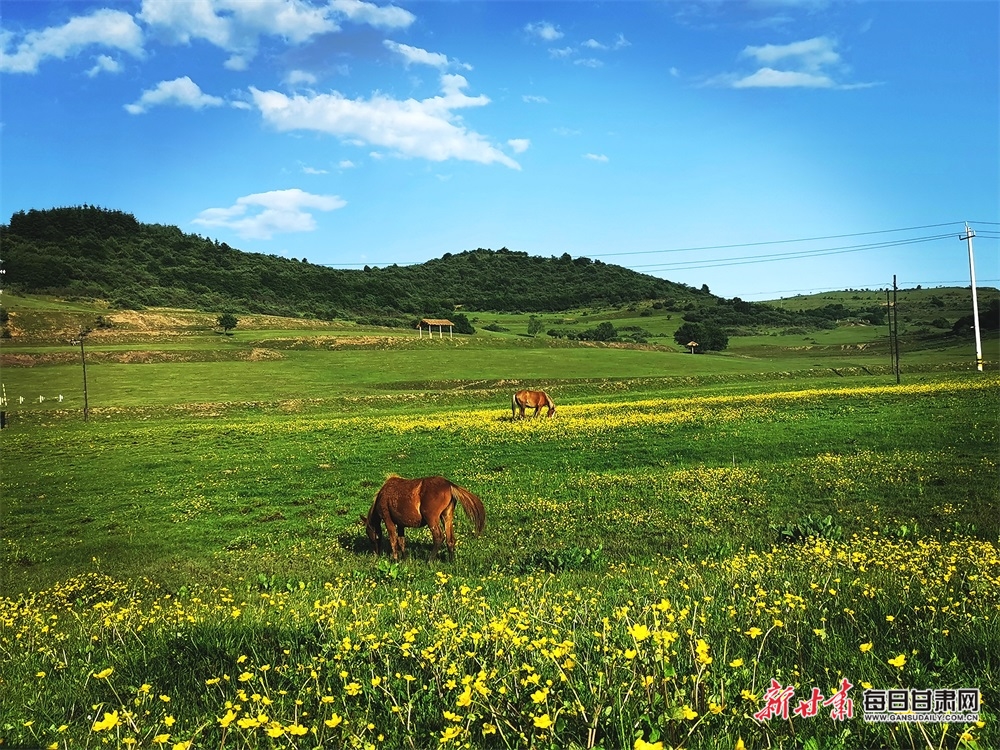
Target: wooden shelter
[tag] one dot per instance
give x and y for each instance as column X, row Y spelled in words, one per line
column 440, row 323
column 692, row 345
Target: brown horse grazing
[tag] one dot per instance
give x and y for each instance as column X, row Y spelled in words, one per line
column 412, row 503
column 531, row 400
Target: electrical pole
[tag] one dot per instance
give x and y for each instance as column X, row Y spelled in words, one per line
column 969, row 234
column 888, row 316
column 83, row 359
column 895, row 326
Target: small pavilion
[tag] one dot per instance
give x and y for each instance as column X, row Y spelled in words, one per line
column 431, row 323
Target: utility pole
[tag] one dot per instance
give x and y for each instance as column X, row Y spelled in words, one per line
column 895, row 326
column 969, row 234
column 83, row 359
column 888, row 316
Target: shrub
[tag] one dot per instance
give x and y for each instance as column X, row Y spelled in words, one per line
column 811, row 525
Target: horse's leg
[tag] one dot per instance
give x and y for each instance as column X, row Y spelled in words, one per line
column 394, row 543
column 434, row 524
column 401, row 539
column 449, row 530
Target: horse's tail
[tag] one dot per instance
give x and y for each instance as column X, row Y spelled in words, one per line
column 513, row 405
column 472, row 505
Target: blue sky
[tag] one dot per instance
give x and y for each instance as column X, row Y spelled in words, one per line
column 693, row 140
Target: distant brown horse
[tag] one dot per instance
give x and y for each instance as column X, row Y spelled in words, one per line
column 412, row 503
column 531, row 400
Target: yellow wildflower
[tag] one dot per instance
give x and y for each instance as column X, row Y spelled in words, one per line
column 543, row 721
column 110, row 720
column 639, row 631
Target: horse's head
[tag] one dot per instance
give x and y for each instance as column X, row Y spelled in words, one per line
column 552, row 409
column 373, row 531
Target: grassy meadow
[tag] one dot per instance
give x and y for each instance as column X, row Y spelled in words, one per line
column 186, row 569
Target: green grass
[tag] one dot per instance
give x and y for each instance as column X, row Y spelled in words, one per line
column 199, row 538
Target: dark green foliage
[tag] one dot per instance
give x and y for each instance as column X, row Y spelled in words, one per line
column 807, row 526
column 989, row 320
column 710, row 337
column 605, row 331
column 227, row 321
column 462, row 324
column 736, row 313
column 96, row 252
column 534, row 326
column 564, row 559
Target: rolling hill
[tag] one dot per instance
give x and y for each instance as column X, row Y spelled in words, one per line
column 86, row 252
column 93, row 252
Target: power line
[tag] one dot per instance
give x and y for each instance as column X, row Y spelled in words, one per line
column 799, row 254
column 782, row 242
column 694, row 265
column 870, row 287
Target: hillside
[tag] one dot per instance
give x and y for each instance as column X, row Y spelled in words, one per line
column 93, row 252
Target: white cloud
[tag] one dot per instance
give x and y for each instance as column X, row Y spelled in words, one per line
column 104, row 64
column 588, row 62
column 313, row 170
column 105, row 28
column 416, row 55
column 381, row 16
column 426, row 129
column 262, row 215
column 597, row 157
column 561, row 52
column 234, row 25
column 810, row 55
column 346, row 164
column 544, row 30
column 534, row 99
column 237, row 25
column 770, row 78
column 811, row 63
column 299, row 77
column 519, row 145
column 621, row 42
column 593, row 44
column 181, row 92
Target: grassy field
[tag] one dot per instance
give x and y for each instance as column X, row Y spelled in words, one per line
column 187, row 570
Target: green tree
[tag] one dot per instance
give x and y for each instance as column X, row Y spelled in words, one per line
column 534, row 325
column 227, row 322
column 710, row 337
column 462, row 324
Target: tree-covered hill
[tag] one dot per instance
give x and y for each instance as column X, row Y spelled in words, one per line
column 95, row 252
column 91, row 252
